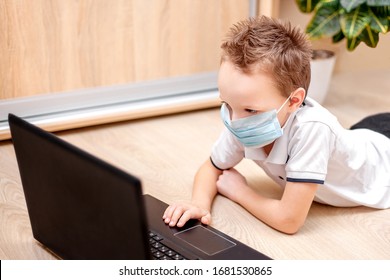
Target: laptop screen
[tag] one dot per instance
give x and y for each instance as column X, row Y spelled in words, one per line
column 79, row 206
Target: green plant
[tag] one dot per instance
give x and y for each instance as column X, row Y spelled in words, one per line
column 354, row 20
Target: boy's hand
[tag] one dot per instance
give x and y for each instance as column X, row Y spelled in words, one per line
column 179, row 214
column 231, row 184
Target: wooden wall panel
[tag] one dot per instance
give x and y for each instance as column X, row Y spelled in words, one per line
column 54, row 45
column 186, row 35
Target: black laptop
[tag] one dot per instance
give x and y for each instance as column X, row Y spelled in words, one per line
column 81, row 207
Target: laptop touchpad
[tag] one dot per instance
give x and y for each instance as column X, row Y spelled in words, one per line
column 205, row 240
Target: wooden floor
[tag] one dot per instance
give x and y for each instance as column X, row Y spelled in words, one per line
column 165, row 153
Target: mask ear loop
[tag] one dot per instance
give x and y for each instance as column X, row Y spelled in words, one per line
column 288, row 99
column 284, row 103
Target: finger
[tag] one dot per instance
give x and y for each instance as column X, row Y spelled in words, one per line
column 168, row 213
column 206, row 220
column 176, row 215
column 184, row 218
column 193, row 213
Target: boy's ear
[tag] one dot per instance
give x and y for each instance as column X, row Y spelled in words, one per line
column 297, row 97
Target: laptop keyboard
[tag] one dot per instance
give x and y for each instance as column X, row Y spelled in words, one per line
column 160, row 251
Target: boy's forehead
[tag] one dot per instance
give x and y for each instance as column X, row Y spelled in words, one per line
column 235, row 78
column 250, row 89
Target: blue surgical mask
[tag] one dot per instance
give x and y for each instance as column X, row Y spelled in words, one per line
column 255, row 131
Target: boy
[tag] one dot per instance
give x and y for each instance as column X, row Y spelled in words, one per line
column 263, row 80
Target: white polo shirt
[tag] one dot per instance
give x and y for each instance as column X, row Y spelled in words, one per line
column 351, row 166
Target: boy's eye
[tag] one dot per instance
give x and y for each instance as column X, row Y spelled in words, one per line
column 251, row 111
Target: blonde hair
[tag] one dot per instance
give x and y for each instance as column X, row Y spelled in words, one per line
column 273, row 47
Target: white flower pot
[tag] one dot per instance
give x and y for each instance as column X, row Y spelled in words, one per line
column 322, row 66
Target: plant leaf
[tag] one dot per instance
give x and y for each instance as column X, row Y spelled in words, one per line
column 378, row 23
column 383, row 11
column 378, row 2
column 338, row 37
column 307, row 6
column 325, row 22
column 354, row 22
column 369, row 37
column 349, row 5
column 353, row 43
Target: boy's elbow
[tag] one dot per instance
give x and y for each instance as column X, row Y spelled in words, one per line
column 290, row 225
column 290, row 230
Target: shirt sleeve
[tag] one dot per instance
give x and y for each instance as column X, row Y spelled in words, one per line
column 227, row 151
column 309, row 150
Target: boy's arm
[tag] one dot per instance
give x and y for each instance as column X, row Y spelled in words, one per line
column 286, row 215
column 203, row 193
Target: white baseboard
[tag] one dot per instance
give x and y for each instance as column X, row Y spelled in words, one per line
column 59, row 111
